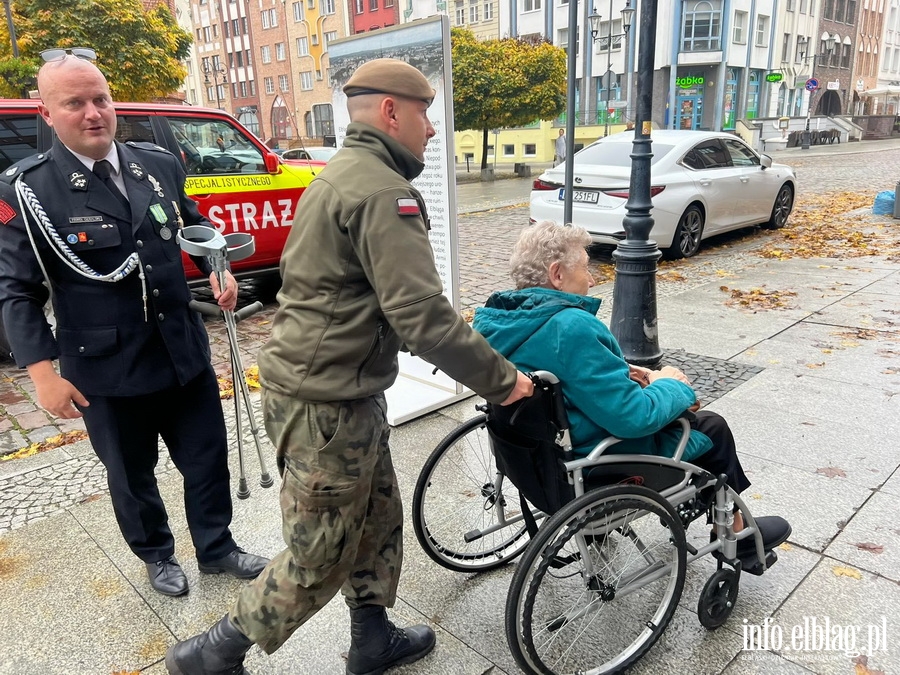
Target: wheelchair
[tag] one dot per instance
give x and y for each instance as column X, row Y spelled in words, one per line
column 602, row 537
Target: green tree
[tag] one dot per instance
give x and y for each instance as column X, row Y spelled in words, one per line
column 505, row 83
column 139, row 51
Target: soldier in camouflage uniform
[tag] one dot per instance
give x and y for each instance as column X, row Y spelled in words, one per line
column 358, row 282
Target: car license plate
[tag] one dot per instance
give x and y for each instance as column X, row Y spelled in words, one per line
column 580, row 196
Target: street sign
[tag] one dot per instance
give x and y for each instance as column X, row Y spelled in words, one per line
column 812, row 84
column 617, row 104
column 774, row 77
column 833, row 86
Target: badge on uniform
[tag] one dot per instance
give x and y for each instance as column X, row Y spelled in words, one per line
column 7, row 213
column 157, row 188
column 408, row 207
column 82, row 237
column 136, row 169
column 72, row 238
column 78, row 180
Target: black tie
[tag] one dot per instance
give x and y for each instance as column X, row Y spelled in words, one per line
column 102, row 170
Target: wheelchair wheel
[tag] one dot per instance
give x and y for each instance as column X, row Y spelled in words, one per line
column 466, row 516
column 598, row 585
column 718, row 598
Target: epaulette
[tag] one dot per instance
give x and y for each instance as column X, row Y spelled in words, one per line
column 22, row 166
column 144, row 145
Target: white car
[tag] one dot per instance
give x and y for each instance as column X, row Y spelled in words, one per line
column 702, row 183
column 314, row 154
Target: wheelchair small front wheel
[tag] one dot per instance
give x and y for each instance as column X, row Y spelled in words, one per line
column 598, row 584
column 718, row 598
column 466, row 515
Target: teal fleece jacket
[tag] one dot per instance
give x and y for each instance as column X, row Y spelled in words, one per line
column 545, row 329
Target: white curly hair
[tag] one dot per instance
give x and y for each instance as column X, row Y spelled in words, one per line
column 541, row 245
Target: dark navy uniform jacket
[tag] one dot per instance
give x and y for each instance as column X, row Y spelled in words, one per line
column 104, row 344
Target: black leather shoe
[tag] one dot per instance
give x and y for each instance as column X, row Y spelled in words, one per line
column 775, row 530
column 167, row 577
column 376, row 644
column 238, row 563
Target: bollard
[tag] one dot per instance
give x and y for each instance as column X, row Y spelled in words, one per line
column 897, row 200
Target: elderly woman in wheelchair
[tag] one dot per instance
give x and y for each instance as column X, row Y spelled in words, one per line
column 612, row 462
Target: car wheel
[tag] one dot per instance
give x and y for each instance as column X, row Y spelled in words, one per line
column 686, row 241
column 784, row 203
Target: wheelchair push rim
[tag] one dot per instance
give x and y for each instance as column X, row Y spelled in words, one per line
column 466, row 517
column 598, row 585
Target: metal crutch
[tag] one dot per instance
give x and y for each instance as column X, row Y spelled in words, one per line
column 200, row 240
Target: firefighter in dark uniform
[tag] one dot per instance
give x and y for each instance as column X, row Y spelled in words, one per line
column 97, row 220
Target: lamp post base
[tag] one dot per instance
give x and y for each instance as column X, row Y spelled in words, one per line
column 804, row 140
column 634, row 319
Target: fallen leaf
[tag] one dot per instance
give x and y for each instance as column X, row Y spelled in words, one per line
column 870, row 547
column 60, row 440
column 815, row 365
column 832, row 472
column 840, row 571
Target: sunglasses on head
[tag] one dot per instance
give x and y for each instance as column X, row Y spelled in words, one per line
column 59, row 54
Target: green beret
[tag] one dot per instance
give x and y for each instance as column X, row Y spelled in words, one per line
column 389, row 76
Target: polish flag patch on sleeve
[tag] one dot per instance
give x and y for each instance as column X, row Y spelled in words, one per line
column 7, row 213
column 408, row 207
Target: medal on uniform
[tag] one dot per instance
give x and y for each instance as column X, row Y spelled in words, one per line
column 159, row 215
column 165, row 233
column 178, row 215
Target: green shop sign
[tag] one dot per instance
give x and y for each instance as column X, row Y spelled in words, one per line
column 689, row 82
column 774, row 77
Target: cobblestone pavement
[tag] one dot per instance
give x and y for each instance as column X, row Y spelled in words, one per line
column 485, row 240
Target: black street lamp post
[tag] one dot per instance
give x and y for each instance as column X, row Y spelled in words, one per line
column 802, row 43
column 12, row 29
column 634, row 319
column 594, row 18
column 215, row 73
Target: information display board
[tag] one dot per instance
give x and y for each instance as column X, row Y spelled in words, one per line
column 426, row 45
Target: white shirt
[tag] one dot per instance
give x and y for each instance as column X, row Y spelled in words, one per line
column 115, row 172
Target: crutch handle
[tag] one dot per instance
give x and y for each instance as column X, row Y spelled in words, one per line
column 248, row 311
column 206, row 308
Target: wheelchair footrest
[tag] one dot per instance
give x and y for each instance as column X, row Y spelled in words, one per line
column 750, row 564
column 756, row 569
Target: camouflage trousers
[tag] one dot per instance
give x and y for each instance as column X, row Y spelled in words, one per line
column 342, row 518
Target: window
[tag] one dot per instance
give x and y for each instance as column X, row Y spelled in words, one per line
column 786, row 47
column 279, row 51
column 243, row 89
column 473, row 11
column 702, row 26
column 324, row 119
column 603, row 42
column 215, row 30
column 529, row 150
column 532, row 5
column 762, row 31
column 197, row 135
column 239, row 59
column 839, row 8
column 740, row 23
column 707, row 155
column 327, row 6
column 283, row 82
column 509, row 150
column 803, row 6
column 225, row 30
column 206, row 34
column 299, row 14
column 789, row 5
column 388, row 3
column 563, row 36
column 303, row 46
column 828, row 9
column 360, row 6
column 330, row 36
column 18, row 139
column 799, row 51
column 845, row 56
column 460, row 13
column 488, row 10
column 740, row 154
column 269, row 84
column 269, row 18
column 306, row 80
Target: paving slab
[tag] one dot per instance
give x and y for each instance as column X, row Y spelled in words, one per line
column 58, row 586
column 872, row 311
column 853, row 600
column 839, row 353
column 871, row 539
column 838, row 449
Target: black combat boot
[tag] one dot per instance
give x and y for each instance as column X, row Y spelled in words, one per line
column 376, row 644
column 218, row 651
